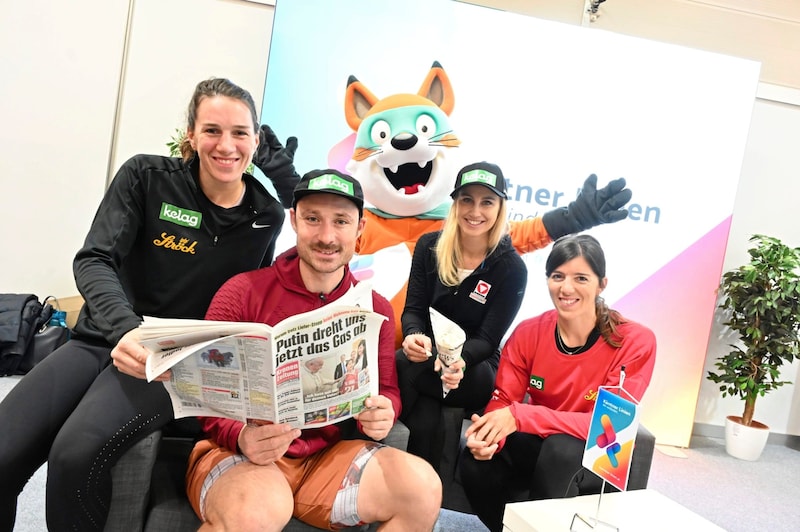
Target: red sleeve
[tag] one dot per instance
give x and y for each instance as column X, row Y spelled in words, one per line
column 513, row 375
column 224, row 431
column 226, row 306
column 387, row 370
column 227, row 302
column 511, row 383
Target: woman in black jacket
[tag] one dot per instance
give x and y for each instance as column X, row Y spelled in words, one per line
column 470, row 273
column 167, row 234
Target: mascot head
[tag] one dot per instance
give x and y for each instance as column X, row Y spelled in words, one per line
column 402, row 145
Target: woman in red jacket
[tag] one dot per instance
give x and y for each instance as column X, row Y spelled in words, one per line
column 558, row 360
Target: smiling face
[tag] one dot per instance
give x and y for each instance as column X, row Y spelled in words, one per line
column 573, row 288
column 327, row 227
column 224, row 139
column 477, row 210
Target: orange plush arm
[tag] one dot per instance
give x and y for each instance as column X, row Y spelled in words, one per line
column 529, row 235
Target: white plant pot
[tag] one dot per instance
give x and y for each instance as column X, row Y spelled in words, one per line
column 743, row 442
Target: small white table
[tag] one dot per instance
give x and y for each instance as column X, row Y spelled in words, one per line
column 629, row 511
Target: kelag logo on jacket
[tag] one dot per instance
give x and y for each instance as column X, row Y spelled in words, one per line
column 177, row 215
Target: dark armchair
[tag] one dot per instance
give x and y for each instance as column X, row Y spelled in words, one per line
column 157, row 502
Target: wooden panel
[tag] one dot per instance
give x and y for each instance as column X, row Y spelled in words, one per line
column 788, row 10
column 773, row 42
column 569, row 11
column 767, row 31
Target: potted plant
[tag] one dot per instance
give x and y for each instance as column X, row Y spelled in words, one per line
column 761, row 299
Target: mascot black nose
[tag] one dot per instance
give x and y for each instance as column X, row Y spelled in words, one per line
column 404, row 141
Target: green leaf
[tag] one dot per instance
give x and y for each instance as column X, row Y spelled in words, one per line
column 760, row 302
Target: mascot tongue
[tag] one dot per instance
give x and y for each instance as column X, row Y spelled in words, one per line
column 413, row 189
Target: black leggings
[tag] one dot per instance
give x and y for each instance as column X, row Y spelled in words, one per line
column 528, row 467
column 80, row 414
column 421, row 397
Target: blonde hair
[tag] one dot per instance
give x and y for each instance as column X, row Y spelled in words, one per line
column 448, row 248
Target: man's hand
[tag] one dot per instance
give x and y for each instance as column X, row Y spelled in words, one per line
column 592, row 207
column 263, row 443
column 277, row 163
column 378, row 419
column 129, row 357
column 417, row 347
column 486, row 432
column 452, row 374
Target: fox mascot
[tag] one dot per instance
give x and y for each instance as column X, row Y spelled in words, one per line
column 403, row 156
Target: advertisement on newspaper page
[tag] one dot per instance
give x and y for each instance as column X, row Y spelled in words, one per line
column 312, row 369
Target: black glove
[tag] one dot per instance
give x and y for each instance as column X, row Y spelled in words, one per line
column 277, row 163
column 592, row 207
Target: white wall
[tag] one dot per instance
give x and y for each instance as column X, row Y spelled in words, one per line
column 60, row 65
column 766, row 203
column 173, row 45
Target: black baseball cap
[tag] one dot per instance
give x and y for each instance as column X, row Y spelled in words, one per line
column 330, row 181
column 482, row 173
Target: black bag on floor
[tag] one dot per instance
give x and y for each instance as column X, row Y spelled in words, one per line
column 19, row 319
column 25, row 336
column 50, row 335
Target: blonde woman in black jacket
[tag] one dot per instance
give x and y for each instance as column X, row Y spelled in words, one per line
column 470, row 273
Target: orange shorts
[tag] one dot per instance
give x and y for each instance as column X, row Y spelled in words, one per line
column 315, row 480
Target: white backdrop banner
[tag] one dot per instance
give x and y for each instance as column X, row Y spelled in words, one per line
column 550, row 104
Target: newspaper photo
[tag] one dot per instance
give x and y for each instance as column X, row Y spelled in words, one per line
column 312, row 369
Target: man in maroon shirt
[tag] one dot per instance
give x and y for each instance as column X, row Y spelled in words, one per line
column 258, row 476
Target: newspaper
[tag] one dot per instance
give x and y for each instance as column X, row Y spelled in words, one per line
column 309, row 370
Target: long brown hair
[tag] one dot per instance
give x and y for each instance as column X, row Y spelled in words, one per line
column 571, row 246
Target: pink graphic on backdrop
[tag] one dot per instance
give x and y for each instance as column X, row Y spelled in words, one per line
column 341, row 152
column 361, row 267
column 678, row 302
column 684, row 289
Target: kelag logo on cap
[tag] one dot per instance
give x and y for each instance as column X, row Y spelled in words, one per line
column 330, row 181
column 479, row 176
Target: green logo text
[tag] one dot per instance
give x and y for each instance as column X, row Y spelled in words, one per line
column 330, row 181
column 177, row 215
column 479, row 176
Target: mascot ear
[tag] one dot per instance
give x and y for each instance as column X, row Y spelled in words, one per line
column 437, row 88
column 358, row 100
